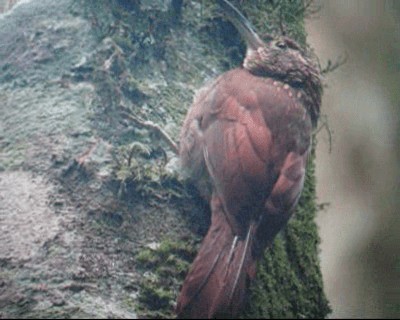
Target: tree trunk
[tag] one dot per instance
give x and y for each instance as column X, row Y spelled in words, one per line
column 98, row 221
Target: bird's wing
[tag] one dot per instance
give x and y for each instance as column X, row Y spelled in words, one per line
column 237, row 146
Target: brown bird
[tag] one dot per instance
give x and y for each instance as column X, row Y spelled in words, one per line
column 245, row 141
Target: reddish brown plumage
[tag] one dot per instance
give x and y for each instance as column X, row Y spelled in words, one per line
column 248, row 133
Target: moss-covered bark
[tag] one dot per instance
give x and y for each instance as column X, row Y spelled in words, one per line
column 136, row 223
column 169, row 50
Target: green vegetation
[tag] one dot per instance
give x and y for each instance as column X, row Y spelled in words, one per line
column 163, row 268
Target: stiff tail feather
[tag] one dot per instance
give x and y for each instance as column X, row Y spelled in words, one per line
column 217, row 282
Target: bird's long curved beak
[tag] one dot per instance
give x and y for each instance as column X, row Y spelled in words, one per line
column 253, row 41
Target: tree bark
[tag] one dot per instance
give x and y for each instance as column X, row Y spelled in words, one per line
column 125, row 225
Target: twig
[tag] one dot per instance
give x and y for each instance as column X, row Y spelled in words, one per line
column 325, row 126
column 154, row 127
column 332, row 66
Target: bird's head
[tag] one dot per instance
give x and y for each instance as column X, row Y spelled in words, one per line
column 280, row 57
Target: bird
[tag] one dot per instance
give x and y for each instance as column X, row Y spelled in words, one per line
column 245, row 142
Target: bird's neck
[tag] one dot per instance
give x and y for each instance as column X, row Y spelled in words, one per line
column 307, row 82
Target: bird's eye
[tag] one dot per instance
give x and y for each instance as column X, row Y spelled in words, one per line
column 281, row 44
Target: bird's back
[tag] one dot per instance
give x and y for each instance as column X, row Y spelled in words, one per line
column 246, row 125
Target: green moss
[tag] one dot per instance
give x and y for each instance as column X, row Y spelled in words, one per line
column 169, row 253
column 163, row 270
column 154, row 297
column 147, row 258
column 139, row 170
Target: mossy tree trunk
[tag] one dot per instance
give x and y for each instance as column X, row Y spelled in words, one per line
column 177, row 46
column 195, row 43
column 135, row 222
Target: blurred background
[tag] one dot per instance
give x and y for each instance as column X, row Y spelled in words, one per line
column 359, row 177
column 358, row 168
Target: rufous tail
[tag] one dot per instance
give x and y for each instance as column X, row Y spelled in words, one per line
column 218, row 279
